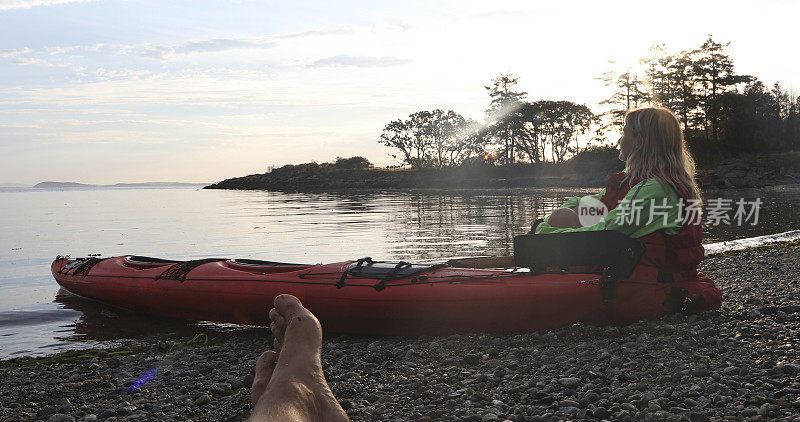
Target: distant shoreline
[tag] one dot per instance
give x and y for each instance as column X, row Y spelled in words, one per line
column 61, row 185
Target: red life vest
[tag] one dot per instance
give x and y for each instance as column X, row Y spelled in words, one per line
column 669, row 259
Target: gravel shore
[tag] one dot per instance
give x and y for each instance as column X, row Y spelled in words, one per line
column 741, row 362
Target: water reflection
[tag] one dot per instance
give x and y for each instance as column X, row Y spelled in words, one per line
column 98, row 323
column 443, row 226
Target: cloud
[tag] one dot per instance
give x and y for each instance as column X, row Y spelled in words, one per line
column 33, row 61
column 28, row 61
column 502, row 14
column 219, row 91
column 313, row 33
column 161, row 51
column 537, row 11
column 386, row 27
column 344, row 60
column 60, row 50
column 211, row 46
column 27, row 4
column 15, row 52
column 225, row 44
column 208, row 46
column 22, row 57
column 105, row 74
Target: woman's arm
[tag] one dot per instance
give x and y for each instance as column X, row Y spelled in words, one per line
column 575, row 200
column 561, row 218
column 632, row 215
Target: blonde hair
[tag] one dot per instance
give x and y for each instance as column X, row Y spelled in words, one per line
column 662, row 150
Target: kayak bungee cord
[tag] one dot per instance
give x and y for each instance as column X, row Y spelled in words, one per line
column 85, row 264
column 180, row 270
column 81, row 265
column 184, row 267
column 421, row 279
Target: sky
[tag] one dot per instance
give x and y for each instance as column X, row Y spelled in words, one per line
column 198, row 91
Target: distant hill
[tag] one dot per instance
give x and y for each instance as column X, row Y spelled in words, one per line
column 46, row 185
column 57, row 185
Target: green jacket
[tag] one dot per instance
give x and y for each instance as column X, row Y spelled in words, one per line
column 648, row 195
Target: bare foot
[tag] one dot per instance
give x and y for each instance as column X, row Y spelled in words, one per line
column 289, row 385
column 265, row 365
column 266, row 362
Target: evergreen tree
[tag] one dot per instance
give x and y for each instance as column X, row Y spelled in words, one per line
column 712, row 69
column 504, row 115
column 749, row 121
column 682, row 82
column 658, row 79
column 628, row 93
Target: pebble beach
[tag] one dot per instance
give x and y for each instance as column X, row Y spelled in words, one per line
column 741, row 362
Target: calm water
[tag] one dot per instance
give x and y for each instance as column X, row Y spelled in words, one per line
column 185, row 223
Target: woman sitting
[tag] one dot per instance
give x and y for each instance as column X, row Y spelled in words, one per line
column 655, row 199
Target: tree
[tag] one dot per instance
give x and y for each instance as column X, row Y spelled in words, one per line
column 423, row 128
column 789, row 103
column 530, row 142
column 467, row 140
column 680, row 76
column 670, row 82
column 629, row 92
column 658, row 83
column 784, row 98
column 713, row 71
column 554, row 125
column 357, row 162
column 434, row 138
column 444, row 128
column 400, row 135
column 793, row 124
column 504, row 118
column 578, row 120
column 750, row 121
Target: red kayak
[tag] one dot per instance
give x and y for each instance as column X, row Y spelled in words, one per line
column 362, row 297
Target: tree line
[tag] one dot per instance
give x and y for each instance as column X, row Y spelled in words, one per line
column 514, row 130
column 722, row 113
column 720, row 110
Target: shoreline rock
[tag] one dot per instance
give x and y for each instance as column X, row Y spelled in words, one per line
column 743, row 173
column 740, row 361
column 323, row 179
column 756, row 171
